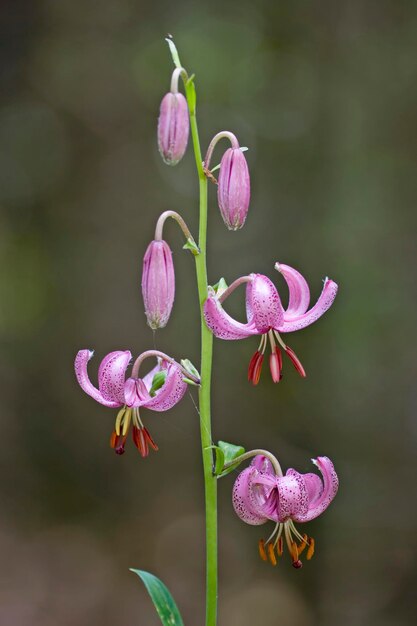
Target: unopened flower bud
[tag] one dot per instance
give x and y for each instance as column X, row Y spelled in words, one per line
column 233, row 191
column 173, row 127
column 158, row 283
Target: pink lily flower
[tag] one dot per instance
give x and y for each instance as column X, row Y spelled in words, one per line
column 260, row 495
column 267, row 317
column 159, row 390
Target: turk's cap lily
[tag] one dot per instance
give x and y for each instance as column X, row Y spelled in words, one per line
column 159, row 390
column 260, row 495
column 267, row 317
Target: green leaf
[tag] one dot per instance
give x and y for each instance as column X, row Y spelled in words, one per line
column 220, row 287
column 190, row 368
column 174, row 52
column 162, row 599
column 219, row 460
column 230, row 452
column 191, row 245
column 157, row 382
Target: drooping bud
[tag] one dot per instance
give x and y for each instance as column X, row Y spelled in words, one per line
column 173, row 123
column 233, row 192
column 158, row 283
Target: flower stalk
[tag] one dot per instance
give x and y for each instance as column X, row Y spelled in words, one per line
column 210, row 481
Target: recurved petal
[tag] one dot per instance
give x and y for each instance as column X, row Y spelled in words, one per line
column 325, row 301
column 314, row 486
column 263, row 304
column 171, row 391
column 243, row 498
column 293, row 496
column 328, row 492
column 299, row 293
column 80, row 365
column 222, row 325
column 112, row 374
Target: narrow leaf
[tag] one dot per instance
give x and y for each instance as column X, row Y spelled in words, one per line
column 174, row 52
column 161, row 597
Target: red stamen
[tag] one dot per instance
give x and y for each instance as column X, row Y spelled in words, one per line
column 275, row 364
column 255, row 367
column 140, row 441
column 150, row 440
column 296, row 361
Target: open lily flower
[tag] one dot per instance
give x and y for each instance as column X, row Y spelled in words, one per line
column 267, row 317
column 259, row 495
column 159, row 390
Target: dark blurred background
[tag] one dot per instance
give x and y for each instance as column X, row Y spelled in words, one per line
column 324, row 94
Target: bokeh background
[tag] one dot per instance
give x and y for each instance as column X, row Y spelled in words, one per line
column 324, row 94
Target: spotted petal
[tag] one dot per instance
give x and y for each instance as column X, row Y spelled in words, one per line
column 297, row 322
column 292, row 496
column 112, row 374
column 322, row 495
column 246, row 506
column 171, row 391
column 263, row 304
column 111, row 377
column 222, row 325
column 299, row 293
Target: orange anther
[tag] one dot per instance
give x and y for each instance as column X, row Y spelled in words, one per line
column 310, row 550
column 303, row 544
column 262, row 552
column 294, row 551
column 280, row 546
column 271, row 554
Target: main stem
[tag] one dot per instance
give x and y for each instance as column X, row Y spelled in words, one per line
column 210, row 481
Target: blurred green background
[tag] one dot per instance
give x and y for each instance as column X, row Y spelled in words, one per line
column 324, row 94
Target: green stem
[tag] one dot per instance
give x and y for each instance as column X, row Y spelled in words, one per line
column 210, row 481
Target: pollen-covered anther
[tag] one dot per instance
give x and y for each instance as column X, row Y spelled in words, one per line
column 296, row 361
column 302, row 546
column 280, row 546
column 262, row 551
column 271, row 554
column 310, row 550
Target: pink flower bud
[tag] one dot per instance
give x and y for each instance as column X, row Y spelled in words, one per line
column 158, row 283
column 173, row 127
column 233, row 192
